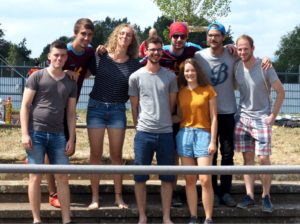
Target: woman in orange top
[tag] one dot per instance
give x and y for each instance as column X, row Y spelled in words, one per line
column 196, row 139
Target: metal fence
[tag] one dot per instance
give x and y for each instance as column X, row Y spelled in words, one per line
column 12, row 81
column 151, row 169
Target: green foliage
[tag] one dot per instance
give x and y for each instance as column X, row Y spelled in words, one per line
column 162, row 27
column 185, row 10
column 14, row 58
column 289, row 52
column 104, row 28
column 44, row 55
column 17, row 54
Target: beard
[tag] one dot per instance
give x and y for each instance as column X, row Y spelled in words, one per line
column 248, row 57
column 154, row 61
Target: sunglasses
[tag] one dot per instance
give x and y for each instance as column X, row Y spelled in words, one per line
column 182, row 36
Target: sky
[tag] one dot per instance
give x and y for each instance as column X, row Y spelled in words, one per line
column 43, row 21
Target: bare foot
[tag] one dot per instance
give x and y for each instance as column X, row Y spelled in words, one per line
column 93, row 206
column 142, row 220
column 119, row 202
column 167, row 221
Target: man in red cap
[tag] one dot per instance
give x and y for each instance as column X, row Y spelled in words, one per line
column 179, row 49
column 173, row 55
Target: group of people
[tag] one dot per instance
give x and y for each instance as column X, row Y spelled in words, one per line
column 182, row 103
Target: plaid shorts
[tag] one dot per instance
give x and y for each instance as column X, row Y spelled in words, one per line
column 253, row 135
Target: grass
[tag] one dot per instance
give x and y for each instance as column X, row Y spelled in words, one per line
column 285, row 146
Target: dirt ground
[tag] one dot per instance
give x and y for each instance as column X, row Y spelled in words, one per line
column 286, row 147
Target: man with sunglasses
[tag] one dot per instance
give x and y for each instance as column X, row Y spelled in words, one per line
column 179, row 49
column 173, row 55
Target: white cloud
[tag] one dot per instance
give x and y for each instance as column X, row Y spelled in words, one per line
column 42, row 21
column 266, row 21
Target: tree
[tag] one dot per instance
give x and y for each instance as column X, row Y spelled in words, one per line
column 44, row 55
column 14, row 57
column 288, row 55
column 104, row 28
column 185, row 10
column 4, row 45
column 23, row 51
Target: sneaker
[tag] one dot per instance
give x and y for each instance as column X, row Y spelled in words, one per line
column 228, row 200
column 176, row 200
column 208, row 221
column 193, row 220
column 266, row 204
column 246, row 203
column 53, row 200
column 216, row 201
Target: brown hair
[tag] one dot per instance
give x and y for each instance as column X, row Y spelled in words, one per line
column 153, row 40
column 202, row 79
column 58, row 44
column 85, row 22
column 246, row 37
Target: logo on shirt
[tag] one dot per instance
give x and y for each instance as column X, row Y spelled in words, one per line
column 219, row 74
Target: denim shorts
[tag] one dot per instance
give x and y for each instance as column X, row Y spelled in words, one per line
column 192, row 142
column 146, row 144
column 105, row 115
column 52, row 144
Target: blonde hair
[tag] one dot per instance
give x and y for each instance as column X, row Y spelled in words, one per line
column 112, row 42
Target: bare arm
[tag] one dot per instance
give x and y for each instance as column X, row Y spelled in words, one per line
column 214, row 125
column 134, row 101
column 172, row 100
column 176, row 118
column 280, row 94
column 71, row 118
column 28, row 96
column 74, row 75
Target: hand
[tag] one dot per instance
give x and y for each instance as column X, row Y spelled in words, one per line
column 212, row 148
column 72, row 74
column 26, row 142
column 270, row 119
column 70, row 148
column 101, row 49
column 266, row 63
column 232, row 49
column 175, row 119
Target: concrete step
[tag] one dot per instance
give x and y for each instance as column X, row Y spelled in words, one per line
column 14, row 206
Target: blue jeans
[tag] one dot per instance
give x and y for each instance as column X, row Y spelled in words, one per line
column 105, row 115
column 52, row 144
column 145, row 144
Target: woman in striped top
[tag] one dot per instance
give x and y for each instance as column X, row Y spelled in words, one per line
column 106, row 107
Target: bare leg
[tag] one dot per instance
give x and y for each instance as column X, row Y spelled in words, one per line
column 190, row 186
column 166, row 198
column 50, row 179
column 63, row 192
column 249, row 178
column 207, row 189
column 116, row 139
column 34, row 195
column 96, row 136
column 141, row 199
column 266, row 179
